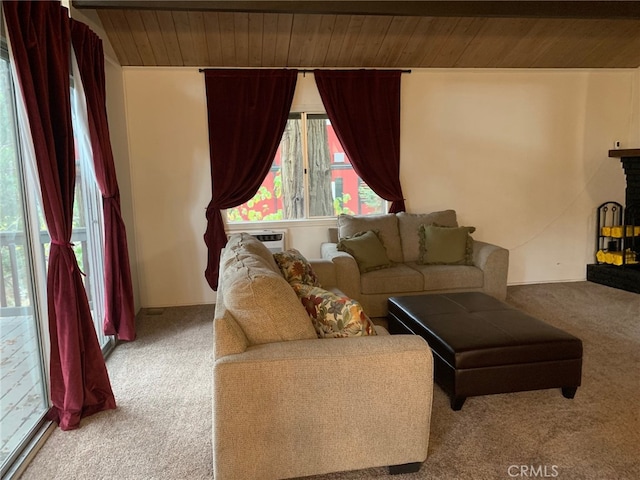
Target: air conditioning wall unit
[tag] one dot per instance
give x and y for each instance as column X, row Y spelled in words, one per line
column 274, row 240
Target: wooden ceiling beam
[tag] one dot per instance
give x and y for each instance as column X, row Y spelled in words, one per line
column 607, row 9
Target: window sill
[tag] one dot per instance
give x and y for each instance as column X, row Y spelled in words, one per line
column 279, row 224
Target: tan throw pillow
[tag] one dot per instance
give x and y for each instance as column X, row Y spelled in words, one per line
column 446, row 245
column 367, row 249
column 296, row 268
column 332, row 315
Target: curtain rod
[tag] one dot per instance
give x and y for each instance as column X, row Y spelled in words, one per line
column 310, row 71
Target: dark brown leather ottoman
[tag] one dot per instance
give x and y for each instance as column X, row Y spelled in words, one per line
column 482, row 345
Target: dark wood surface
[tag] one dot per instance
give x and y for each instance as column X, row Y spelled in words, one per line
column 447, row 8
column 363, row 34
column 625, row 152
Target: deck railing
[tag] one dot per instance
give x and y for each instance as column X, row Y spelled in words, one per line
column 14, row 286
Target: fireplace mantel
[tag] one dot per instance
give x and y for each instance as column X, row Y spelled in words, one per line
column 625, row 153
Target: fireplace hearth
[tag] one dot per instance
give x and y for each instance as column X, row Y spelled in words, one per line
column 623, row 277
column 618, row 232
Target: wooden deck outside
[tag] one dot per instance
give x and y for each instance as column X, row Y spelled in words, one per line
column 22, row 395
column 23, row 400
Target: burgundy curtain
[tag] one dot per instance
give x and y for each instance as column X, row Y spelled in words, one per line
column 364, row 109
column 248, row 111
column 119, row 309
column 40, row 40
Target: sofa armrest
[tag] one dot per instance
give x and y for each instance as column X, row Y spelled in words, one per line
column 347, row 272
column 494, row 262
column 326, row 272
column 292, row 409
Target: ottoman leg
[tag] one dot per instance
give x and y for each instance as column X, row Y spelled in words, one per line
column 457, row 402
column 404, row 468
column 569, row 392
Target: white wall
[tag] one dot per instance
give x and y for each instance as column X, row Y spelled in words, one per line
column 168, row 140
column 520, row 154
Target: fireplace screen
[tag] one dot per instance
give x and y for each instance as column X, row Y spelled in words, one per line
column 618, row 235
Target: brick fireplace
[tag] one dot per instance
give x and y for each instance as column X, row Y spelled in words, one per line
column 627, row 275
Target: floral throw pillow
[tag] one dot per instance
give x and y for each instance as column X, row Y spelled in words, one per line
column 296, row 268
column 334, row 316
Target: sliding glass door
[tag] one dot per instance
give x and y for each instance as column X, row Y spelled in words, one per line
column 23, row 389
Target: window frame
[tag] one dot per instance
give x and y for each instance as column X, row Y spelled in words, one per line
column 88, row 192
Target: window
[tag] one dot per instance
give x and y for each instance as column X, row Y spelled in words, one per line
column 311, row 177
column 88, row 223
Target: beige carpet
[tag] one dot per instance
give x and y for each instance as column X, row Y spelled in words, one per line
column 162, row 427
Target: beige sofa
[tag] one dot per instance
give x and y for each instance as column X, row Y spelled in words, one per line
column 287, row 404
column 400, row 237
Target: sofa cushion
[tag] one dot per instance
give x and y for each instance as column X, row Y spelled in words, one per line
column 296, row 268
column 238, row 259
column 263, row 304
column 332, row 315
column 409, row 224
column 449, row 277
column 228, row 337
column 385, row 225
column 397, row 279
column 367, row 249
column 446, row 245
column 243, row 245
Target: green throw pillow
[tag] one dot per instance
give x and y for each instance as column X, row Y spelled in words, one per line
column 367, row 249
column 445, row 245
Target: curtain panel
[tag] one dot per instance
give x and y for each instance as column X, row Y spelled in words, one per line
column 248, row 111
column 119, row 309
column 39, row 36
column 364, row 109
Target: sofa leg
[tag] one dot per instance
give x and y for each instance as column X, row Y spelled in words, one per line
column 569, row 392
column 457, row 402
column 404, row 468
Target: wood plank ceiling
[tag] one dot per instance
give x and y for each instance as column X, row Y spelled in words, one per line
column 293, row 34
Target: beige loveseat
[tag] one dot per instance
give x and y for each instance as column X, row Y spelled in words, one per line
column 288, row 404
column 399, row 234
